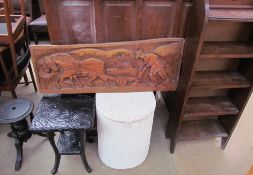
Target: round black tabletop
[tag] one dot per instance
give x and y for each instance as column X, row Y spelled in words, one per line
column 15, row 110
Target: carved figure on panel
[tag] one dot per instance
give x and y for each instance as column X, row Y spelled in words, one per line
column 94, row 68
column 65, row 65
column 71, row 69
column 151, row 65
column 151, row 62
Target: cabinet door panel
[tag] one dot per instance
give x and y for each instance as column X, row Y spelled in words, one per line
column 118, row 20
column 157, row 19
column 70, row 21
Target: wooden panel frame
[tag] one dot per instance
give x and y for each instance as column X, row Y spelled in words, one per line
column 70, row 22
column 146, row 65
column 118, row 20
column 151, row 26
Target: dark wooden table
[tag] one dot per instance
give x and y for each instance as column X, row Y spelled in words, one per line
column 70, row 115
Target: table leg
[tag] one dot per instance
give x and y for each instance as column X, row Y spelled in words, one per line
column 50, row 137
column 82, row 151
column 31, row 117
column 19, row 148
column 10, row 134
column 89, row 139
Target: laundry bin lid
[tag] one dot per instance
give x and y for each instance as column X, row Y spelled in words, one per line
column 125, row 107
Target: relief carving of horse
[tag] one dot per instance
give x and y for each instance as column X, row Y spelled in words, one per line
column 72, row 69
column 65, row 65
column 94, row 68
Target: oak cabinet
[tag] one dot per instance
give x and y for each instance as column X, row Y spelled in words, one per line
column 95, row 21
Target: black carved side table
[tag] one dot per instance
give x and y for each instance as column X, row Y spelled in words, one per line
column 70, row 115
column 14, row 113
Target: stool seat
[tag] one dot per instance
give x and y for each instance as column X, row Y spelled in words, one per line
column 14, row 113
column 15, row 110
column 37, row 26
column 64, row 113
column 41, row 21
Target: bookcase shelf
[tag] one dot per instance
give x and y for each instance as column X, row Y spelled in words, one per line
column 201, row 107
column 231, row 13
column 219, row 80
column 227, row 50
column 218, row 60
column 201, row 129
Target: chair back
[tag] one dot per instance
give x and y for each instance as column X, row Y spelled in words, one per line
column 7, row 68
column 14, row 28
column 15, row 6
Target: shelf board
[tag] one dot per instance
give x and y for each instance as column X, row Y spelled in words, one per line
column 231, row 13
column 219, row 80
column 201, row 129
column 204, row 107
column 227, row 50
column 68, row 144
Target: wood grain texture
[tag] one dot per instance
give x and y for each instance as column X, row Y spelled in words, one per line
column 217, row 64
column 219, row 80
column 184, row 18
column 209, row 106
column 228, row 31
column 118, row 20
column 216, row 34
column 96, row 21
column 147, row 65
column 201, row 129
column 231, row 13
column 193, row 44
column 227, row 50
column 157, row 20
column 128, row 20
column 70, row 21
column 207, row 92
column 231, row 2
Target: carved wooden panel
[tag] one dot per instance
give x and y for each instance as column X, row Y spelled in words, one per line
column 146, row 65
column 70, row 21
column 157, row 20
column 118, row 20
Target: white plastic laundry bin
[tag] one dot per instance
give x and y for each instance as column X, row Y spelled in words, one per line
column 124, row 123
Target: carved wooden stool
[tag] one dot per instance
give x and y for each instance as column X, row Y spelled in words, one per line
column 14, row 113
column 70, row 115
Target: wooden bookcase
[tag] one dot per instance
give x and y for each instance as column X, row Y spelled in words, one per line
column 217, row 72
